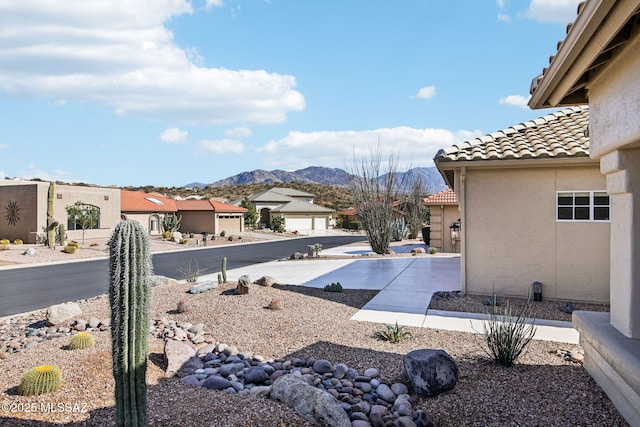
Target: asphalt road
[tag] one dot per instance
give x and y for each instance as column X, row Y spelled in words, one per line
column 36, row 287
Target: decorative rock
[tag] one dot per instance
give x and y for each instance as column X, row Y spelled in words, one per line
column 423, row 419
column 322, row 366
column 576, row 356
column 313, row 404
column 231, row 369
column 261, row 390
column 431, row 372
column 190, row 380
column 59, row 313
column 385, row 393
column 203, row 287
column 80, row 325
column 94, row 322
column 371, row 373
column 297, row 255
column 416, row 251
column 243, row 285
column 399, row 388
column 404, row 422
column 216, row 383
column 176, row 354
column 255, row 375
column 275, row 304
column 29, row 252
column 176, row 236
column 360, row 423
column 340, row 370
column 266, row 281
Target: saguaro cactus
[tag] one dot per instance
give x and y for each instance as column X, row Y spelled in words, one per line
column 51, row 223
column 224, row 269
column 129, row 297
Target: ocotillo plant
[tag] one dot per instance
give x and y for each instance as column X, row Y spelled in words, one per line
column 129, row 298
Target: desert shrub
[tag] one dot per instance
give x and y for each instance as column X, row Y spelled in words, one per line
column 166, row 234
column 93, row 245
column 355, row 225
column 39, row 380
column 277, row 224
column 70, row 249
column 18, row 242
column 432, row 250
column 81, row 340
column 73, row 243
column 393, row 333
column 5, row 242
column 183, row 241
column 191, row 271
column 222, row 233
column 334, row 287
column 507, row 335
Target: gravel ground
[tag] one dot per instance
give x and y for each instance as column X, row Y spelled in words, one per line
column 542, row 389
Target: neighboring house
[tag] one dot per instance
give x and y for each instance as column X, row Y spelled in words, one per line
column 533, row 207
column 598, row 63
column 210, row 216
column 296, row 207
column 445, row 212
column 148, row 209
column 25, row 202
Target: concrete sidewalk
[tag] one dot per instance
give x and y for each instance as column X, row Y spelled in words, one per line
column 406, row 285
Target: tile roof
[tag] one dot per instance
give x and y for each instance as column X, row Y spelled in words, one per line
column 445, row 197
column 291, row 192
column 138, row 201
column 556, row 135
column 301, row 207
column 225, row 207
column 207, row 205
column 270, row 196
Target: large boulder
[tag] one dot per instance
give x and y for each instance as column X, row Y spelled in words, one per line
column 311, row 403
column 243, row 285
column 431, row 372
column 266, row 281
column 60, row 313
column 180, row 358
column 198, row 288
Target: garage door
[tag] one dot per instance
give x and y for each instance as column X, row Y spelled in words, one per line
column 292, row 224
column 320, row 223
column 229, row 225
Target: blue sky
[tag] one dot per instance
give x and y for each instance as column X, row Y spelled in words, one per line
column 133, row 92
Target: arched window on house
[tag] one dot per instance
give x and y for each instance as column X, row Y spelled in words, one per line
column 154, row 225
column 82, row 216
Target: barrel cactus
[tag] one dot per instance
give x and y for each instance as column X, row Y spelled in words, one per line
column 129, row 298
column 39, row 380
column 82, row 340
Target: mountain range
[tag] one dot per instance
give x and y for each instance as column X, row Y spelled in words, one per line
column 321, row 175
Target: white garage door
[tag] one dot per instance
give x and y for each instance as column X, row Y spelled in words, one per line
column 320, row 223
column 292, row 224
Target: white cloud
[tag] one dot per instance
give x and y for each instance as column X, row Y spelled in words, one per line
column 4, row 146
column 238, row 132
column 426, row 92
column 222, row 146
column 554, row 11
column 504, row 18
column 34, row 171
column 213, row 3
column 515, row 100
column 500, row 3
column 119, row 54
column 415, row 147
column 174, row 136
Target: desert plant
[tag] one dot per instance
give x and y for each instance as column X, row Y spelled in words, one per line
column 220, row 281
column 17, row 242
column 166, row 234
column 5, row 242
column 316, row 248
column 171, row 222
column 355, row 225
column 568, row 308
column 333, row 287
column 183, row 306
column 130, row 298
column 277, row 224
column 223, row 233
column 399, row 231
column 191, row 271
column 432, row 250
column 70, row 249
column 507, row 335
column 4, row 352
column 393, row 333
column 83, row 215
column 39, row 380
column 184, row 241
column 251, row 215
column 81, row 340
column 223, row 269
column 51, row 222
column 61, row 235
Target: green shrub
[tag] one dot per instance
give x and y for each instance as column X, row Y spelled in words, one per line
column 5, row 242
column 183, row 241
column 393, row 333
column 507, row 335
column 191, row 271
column 81, row 340
column 73, row 243
column 166, row 234
column 334, row 287
column 222, row 233
column 39, row 380
column 355, row 225
column 17, row 242
column 432, row 250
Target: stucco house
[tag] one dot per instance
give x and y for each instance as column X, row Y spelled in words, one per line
column 148, row 209
column 598, row 63
column 24, row 206
column 210, row 216
column 295, row 206
column 533, row 207
column 444, row 213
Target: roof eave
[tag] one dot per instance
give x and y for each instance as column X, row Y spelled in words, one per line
column 596, row 25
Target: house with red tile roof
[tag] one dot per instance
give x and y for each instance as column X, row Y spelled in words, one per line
column 148, row 209
column 444, row 213
column 210, row 216
column 598, row 64
column 533, row 207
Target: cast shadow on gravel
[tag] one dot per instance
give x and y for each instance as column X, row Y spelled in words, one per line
column 356, row 298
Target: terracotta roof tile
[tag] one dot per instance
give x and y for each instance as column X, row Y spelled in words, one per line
column 207, row 205
column 557, row 135
column 225, row 207
column 137, row 201
column 445, row 197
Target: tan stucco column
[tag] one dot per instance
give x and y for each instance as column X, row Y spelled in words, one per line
column 622, row 168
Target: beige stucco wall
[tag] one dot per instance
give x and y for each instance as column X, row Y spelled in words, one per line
column 442, row 216
column 107, row 199
column 512, row 237
column 197, row 221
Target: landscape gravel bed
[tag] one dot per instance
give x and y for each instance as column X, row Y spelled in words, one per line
column 541, row 389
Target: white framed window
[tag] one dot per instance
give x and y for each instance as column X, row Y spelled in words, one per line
column 582, row 206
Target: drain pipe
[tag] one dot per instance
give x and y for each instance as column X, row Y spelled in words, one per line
column 462, row 207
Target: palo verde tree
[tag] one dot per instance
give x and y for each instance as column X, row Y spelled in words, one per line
column 375, row 192
column 251, row 215
column 83, row 215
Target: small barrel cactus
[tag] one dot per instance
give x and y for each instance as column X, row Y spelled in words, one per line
column 81, row 340
column 39, row 380
column 334, row 287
